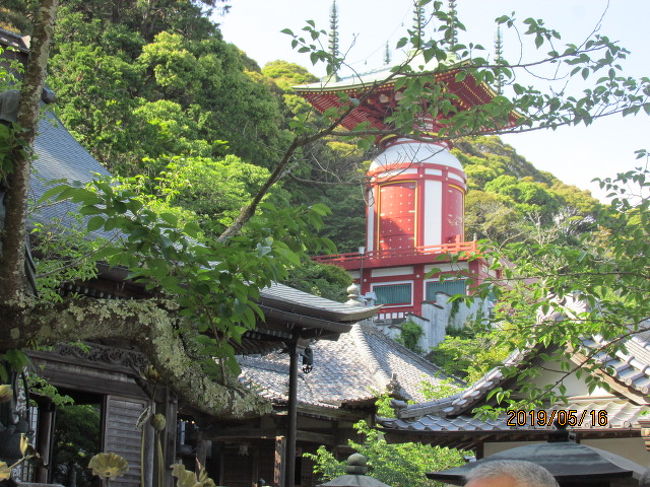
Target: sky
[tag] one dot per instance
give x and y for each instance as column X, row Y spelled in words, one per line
column 574, row 154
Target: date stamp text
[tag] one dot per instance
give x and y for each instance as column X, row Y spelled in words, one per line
column 562, row 417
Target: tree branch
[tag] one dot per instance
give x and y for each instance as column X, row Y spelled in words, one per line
column 152, row 324
column 12, row 260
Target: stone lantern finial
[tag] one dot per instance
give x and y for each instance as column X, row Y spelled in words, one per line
column 357, row 464
column 354, row 295
column 355, row 474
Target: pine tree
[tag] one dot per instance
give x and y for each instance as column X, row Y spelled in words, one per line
column 334, row 40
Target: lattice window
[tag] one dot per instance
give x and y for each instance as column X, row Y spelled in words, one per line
column 450, row 287
column 393, row 294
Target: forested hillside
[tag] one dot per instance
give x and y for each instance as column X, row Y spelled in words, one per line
column 154, row 92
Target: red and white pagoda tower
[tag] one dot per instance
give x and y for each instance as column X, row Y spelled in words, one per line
column 415, row 194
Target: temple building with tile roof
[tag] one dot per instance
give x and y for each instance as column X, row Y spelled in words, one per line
column 337, row 389
column 608, row 417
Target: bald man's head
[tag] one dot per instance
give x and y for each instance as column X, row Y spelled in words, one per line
column 510, row 473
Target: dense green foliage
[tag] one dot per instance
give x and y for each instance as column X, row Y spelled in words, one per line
column 395, row 464
column 409, row 336
column 137, row 81
column 510, row 200
column 470, row 353
column 76, row 439
column 319, row 279
column 559, row 292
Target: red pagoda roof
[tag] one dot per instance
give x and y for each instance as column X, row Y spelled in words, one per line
column 384, row 97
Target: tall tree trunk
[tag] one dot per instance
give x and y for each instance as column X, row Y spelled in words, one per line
column 12, row 260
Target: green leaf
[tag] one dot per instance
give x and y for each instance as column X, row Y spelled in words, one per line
column 284, row 252
column 192, row 229
column 170, row 218
column 95, row 223
column 321, row 209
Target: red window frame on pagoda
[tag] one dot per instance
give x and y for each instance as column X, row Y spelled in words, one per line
column 449, row 227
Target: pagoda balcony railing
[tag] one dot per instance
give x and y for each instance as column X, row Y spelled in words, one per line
column 377, row 258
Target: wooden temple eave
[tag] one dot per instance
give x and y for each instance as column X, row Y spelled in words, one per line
column 98, row 368
column 314, row 425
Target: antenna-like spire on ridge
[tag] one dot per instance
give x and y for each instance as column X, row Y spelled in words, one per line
column 498, row 58
column 418, row 23
column 451, row 23
column 387, row 54
column 333, row 44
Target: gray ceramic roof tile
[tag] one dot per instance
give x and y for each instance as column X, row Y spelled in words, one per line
column 630, row 367
column 294, row 300
column 621, row 414
column 59, row 156
column 357, row 367
column 16, row 41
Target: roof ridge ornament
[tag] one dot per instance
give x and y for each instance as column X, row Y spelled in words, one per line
column 354, row 295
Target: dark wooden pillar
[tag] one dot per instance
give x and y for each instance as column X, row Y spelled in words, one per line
column 46, row 411
column 170, row 409
column 202, row 448
column 279, row 464
column 290, row 458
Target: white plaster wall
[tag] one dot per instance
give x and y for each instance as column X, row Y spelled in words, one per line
column 370, row 221
column 393, row 271
column 455, row 267
column 437, row 318
column 630, row 448
column 574, row 386
column 433, row 212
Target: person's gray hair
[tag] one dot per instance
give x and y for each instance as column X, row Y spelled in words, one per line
column 525, row 474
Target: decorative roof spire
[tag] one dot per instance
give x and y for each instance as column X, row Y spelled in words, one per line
column 418, row 23
column 333, row 44
column 498, row 58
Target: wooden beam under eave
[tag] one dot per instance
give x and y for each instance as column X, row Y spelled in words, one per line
column 243, row 434
column 316, row 437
